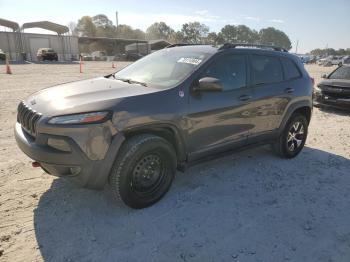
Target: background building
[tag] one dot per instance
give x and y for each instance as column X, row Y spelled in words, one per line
column 24, row 46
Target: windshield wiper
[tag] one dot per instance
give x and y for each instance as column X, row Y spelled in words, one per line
column 130, row 81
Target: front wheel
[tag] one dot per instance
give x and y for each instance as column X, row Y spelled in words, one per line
column 143, row 170
column 293, row 137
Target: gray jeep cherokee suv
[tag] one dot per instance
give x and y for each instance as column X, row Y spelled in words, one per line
column 134, row 128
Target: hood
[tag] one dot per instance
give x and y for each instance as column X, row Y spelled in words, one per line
column 84, row 96
column 336, row 83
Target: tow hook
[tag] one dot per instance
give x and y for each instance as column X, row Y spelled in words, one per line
column 36, row 164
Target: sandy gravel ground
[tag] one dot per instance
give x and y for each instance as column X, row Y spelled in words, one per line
column 250, row 206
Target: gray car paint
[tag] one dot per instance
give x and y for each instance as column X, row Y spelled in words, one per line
column 340, row 88
column 201, row 123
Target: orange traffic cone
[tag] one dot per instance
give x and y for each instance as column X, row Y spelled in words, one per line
column 81, row 64
column 8, row 68
column 113, row 65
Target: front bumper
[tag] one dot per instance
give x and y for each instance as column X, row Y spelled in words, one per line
column 74, row 165
column 323, row 100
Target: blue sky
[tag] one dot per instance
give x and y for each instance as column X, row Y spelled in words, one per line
column 313, row 23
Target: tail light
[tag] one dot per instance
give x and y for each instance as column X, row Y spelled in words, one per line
column 313, row 81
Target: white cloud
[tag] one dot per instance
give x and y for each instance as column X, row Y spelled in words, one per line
column 256, row 19
column 201, row 12
column 279, row 21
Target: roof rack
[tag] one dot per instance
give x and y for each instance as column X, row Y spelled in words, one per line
column 275, row 48
column 181, row 44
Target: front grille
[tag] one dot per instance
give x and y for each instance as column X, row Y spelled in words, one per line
column 336, row 92
column 28, row 118
column 336, row 95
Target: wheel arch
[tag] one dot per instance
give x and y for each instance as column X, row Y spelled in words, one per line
column 168, row 132
column 302, row 107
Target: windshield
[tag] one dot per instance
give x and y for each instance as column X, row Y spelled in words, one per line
column 341, row 73
column 164, row 68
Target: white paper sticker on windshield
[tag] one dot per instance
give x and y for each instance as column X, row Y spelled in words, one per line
column 187, row 60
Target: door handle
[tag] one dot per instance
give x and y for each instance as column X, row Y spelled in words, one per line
column 244, row 97
column 289, row 90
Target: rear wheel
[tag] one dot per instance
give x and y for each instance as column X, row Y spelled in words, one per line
column 293, row 137
column 143, row 171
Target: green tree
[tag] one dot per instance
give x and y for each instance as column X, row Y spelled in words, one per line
column 212, row 38
column 159, row 31
column 341, row 51
column 126, row 31
column 317, row 52
column 139, row 34
column 72, row 25
column 104, row 26
column 85, row 27
column 246, row 35
column 228, row 34
column 238, row 34
column 194, row 32
column 102, row 20
column 272, row 36
column 176, row 37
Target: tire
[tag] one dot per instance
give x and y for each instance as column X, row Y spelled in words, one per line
column 293, row 137
column 143, row 171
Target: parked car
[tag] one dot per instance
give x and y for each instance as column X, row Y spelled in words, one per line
column 321, row 61
column 135, row 127
column 312, row 60
column 99, row 55
column 337, row 60
column 133, row 56
column 44, row 54
column 334, row 90
column 86, row 57
column 346, row 60
column 120, row 57
column 2, row 55
column 332, row 60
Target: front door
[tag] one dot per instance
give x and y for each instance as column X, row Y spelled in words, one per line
column 219, row 118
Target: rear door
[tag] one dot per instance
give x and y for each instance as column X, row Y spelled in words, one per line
column 271, row 93
column 217, row 118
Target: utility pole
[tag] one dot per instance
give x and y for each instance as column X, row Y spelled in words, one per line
column 116, row 22
column 296, row 47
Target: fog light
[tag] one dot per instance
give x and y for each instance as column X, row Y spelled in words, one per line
column 58, row 144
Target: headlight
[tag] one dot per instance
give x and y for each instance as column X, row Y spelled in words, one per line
column 317, row 89
column 86, row 118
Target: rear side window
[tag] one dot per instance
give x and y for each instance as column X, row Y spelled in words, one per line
column 266, row 69
column 230, row 70
column 291, row 71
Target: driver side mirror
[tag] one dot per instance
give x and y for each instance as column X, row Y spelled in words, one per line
column 209, row 84
column 324, row 76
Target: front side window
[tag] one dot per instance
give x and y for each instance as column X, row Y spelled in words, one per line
column 164, row 68
column 230, row 70
column 290, row 69
column 266, row 69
